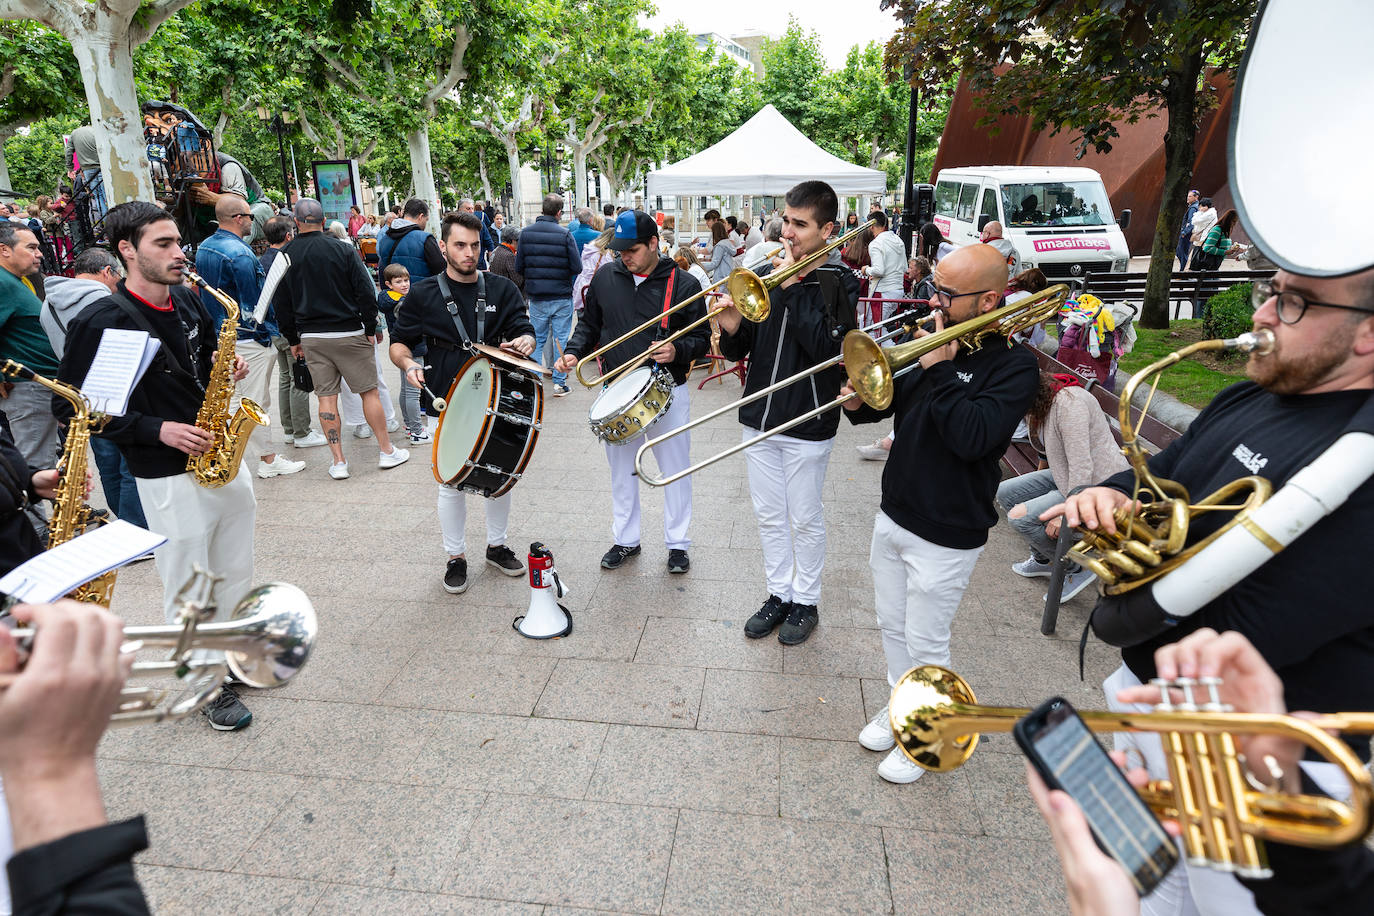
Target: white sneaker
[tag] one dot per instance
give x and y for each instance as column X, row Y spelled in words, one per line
column 397, row 456
column 1075, row 582
column 290, row 439
column 874, row 452
column 314, row 438
column 1032, row 568
column 362, row 432
column 279, row 466
column 339, row 471
column 392, row 425
column 877, row 734
column 418, row 438
column 896, row 768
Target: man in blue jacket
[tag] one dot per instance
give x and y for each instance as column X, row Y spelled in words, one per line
column 407, row 243
column 581, row 228
column 547, row 257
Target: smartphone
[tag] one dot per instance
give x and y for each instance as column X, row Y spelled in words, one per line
column 1068, row 757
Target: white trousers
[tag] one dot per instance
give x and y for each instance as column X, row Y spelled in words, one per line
column 1188, row 891
column 672, row 457
column 917, row 587
column 351, row 405
column 256, row 386
column 209, row 528
column 453, row 519
column 786, row 479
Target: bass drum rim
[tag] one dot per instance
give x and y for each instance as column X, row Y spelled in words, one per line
column 482, row 436
column 488, row 423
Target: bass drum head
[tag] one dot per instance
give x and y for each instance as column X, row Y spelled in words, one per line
column 462, row 421
column 620, row 394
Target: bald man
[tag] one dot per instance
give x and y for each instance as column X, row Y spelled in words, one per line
column 954, row 417
column 992, row 235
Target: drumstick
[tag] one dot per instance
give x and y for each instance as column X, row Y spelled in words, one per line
column 438, row 402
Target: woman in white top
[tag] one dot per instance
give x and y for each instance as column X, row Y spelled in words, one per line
column 686, row 258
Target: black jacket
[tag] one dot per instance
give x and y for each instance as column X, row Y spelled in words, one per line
column 801, row 330
column 953, row 422
column 547, row 257
column 615, row 305
column 326, row 288
column 19, row 541
column 165, row 392
column 86, row 872
column 423, row 316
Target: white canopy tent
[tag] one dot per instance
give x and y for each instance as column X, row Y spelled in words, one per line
column 766, row 156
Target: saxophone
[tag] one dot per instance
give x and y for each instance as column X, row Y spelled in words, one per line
column 71, row 516
column 220, row 462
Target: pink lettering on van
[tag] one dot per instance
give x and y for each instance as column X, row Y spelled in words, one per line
column 1072, row 244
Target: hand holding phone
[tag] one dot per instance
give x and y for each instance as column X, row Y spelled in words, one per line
column 1067, row 757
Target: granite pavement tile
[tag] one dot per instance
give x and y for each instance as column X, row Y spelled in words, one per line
column 577, row 853
column 595, row 635
column 375, row 834
column 189, row 892
column 972, row 875
column 839, row 781
column 376, row 901
column 799, row 867
column 349, row 672
column 791, row 705
column 1001, row 798
column 838, row 651
column 188, row 742
column 716, row 771
column 623, row 692
column 477, row 753
column 707, row 644
column 188, row 818
column 506, row 684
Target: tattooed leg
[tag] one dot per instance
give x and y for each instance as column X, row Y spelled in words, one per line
column 329, row 425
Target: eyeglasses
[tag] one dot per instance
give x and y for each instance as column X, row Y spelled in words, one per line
column 1290, row 307
column 947, row 297
column 242, row 215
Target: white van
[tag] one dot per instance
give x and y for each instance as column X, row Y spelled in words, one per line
column 1058, row 218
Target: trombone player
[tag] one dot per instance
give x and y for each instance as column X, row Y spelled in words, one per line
column 806, row 324
column 954, row 417
column 640, row 284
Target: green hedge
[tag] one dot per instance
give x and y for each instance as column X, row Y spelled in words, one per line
column 1228, row 312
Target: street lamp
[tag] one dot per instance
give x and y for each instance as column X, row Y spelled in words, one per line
column 278, row 125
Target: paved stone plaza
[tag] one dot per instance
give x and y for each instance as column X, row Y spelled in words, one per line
column 431, row 760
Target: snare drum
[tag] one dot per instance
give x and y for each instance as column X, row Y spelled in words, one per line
column 631, row 404
column 486, row 433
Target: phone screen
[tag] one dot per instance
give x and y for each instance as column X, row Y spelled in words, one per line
column 1069, row 758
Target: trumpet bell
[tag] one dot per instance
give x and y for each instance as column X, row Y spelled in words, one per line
column 749, row 292
column 921, row 703
column 277, row 625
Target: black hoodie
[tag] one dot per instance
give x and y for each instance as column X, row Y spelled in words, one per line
column 615, row 305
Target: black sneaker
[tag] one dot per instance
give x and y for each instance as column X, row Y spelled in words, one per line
column 618, row 555
column 456, row 576
column 226, row 712
column 801, row 620
column 678, row 561
column 772, row 613
column 504, row 559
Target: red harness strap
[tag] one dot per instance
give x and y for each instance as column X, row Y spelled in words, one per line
column 668, row 298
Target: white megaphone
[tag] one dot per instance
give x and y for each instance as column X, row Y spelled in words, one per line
column 546, row 618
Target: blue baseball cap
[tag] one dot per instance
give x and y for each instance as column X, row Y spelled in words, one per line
column 631, row 228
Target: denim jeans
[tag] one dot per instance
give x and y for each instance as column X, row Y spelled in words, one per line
column 121, row 492
column 411, row 414
column 551, row 317
column 1037, row 491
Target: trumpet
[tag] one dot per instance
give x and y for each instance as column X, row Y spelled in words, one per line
column 936, row 720
column 873, row 370
column 748, row 291
column 265, row 643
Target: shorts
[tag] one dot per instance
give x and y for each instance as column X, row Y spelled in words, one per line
column 333, row 358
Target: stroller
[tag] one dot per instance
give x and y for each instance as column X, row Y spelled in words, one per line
column 1093, row 336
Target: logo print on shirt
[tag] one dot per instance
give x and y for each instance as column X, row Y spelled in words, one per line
column 1252, row 460
column 964, row 377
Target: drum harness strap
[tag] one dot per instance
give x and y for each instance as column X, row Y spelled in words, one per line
column 481, row 308
column 667, row 304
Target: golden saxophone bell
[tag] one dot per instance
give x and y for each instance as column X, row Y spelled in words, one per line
column 936, row 721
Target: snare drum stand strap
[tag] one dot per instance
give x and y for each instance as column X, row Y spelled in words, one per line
column 453, row 308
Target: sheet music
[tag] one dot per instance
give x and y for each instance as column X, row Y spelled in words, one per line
column 54, row 573
column 120, row 361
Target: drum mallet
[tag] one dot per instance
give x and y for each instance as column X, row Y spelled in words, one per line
column 438, row 402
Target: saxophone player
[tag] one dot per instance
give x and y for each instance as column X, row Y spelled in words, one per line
column 212, row 528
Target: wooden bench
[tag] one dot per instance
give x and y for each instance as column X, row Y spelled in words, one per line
column 1022, row 458
column 1193, row 287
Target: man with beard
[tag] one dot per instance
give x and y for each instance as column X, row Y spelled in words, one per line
column 492, row 312
column 621, row 297
column 1306, row 610
column 209, row 528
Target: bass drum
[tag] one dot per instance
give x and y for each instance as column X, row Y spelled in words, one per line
column 487, row 431
column 631, row 404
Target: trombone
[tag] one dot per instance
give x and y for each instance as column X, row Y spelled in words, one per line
column 748, row 291
column 873, row 370
column 1224, row 816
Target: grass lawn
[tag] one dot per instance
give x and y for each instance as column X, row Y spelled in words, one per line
column 1194, row 381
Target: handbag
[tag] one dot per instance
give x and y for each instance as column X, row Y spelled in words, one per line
column 300, row 376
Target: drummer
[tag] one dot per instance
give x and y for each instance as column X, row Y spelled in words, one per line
column 424, row 316
column 638, row 286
